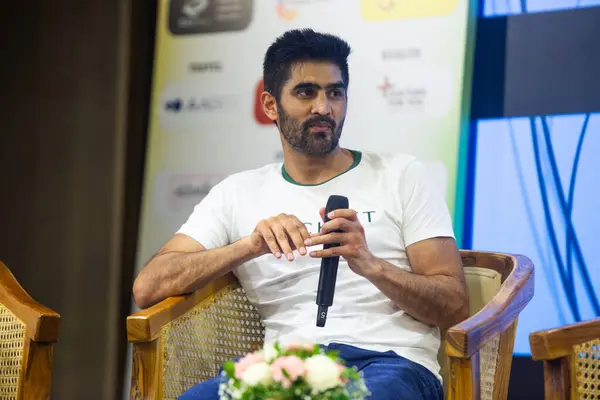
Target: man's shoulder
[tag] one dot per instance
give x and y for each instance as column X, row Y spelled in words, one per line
column 405, row 167
column 408, row 168
column 395, row 161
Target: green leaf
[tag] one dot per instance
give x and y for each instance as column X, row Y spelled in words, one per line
column 229, row 368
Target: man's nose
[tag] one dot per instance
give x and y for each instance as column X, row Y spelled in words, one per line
column 321, row 105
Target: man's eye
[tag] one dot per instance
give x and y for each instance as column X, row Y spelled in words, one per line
column 306, row 92
column 336, row 93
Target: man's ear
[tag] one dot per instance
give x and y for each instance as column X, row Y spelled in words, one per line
column 269, row 105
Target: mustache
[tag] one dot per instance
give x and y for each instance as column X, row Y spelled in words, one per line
column 320, row 119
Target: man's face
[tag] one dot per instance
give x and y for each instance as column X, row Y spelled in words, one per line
column 312, row 108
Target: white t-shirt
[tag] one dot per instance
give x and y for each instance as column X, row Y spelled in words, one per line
column 397, row 206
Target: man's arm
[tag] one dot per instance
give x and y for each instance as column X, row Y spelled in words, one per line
column 435, row 292
column 183, row 265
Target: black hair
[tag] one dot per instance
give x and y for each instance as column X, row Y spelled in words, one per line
column 302, row 45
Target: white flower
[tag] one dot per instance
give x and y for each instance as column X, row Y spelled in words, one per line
column 270, row 352
column 322, row 373
column 259, row 373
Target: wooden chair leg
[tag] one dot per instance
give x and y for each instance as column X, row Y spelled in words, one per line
column 557, row 382
column 464, row 378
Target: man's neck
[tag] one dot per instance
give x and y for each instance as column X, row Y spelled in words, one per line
column 313, row 170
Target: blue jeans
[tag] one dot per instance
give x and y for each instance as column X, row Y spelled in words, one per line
column 387, row 376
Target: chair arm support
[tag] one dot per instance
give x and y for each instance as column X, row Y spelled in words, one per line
column 145, row 326
column 42, row 324
column 515, row 293
column 558, row 342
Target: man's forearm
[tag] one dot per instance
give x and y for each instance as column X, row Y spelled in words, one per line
column 173, row 273
column 435, row 300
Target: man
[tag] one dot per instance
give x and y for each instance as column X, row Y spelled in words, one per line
column 400, row 275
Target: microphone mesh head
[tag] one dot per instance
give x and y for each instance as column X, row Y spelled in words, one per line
column 336, row 202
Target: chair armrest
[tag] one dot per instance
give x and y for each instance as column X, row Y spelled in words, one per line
column 558, row 342
column 145, row 326
column 515, row 293
column 42, row 324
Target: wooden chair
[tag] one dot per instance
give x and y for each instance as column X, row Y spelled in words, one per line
column 571, row 356
column 28, row 331
column 184, row 340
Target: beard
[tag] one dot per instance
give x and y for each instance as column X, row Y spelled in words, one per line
column 299, row 137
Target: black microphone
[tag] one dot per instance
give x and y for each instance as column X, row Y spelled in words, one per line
column 329, row 266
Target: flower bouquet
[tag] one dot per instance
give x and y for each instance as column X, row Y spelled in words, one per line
column 292, row 372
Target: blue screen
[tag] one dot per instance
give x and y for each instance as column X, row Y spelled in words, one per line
column 493, row 8
column 536, row 193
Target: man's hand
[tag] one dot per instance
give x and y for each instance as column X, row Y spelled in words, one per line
column 433, row 293
column 351, row 239
column 279, row 235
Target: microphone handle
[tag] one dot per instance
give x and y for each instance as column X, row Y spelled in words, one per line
column 329, row 267
column 327, row 279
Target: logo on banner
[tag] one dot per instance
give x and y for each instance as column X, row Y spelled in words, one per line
column 209, row 66
column 184, row 106
column 180, row 192
column 401, row 54
column 375, row 10
column 207, row 16
column 405, row 97
column 284, row 12
column 385, row 87
column 194, row 104
column 193, row 8
column 287, row 10
column 259, row 115
column 418, row 91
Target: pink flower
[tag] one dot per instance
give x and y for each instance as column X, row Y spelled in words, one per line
column 300, row 346
column 243, row 364
column 293, row 366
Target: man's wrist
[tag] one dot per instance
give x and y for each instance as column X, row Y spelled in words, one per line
column 373, row 268
column 247, row 248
